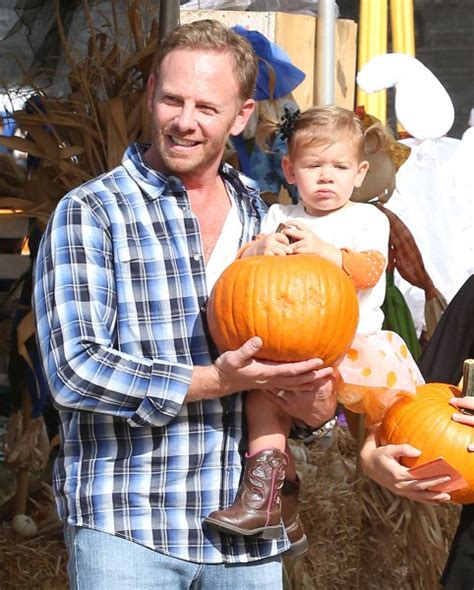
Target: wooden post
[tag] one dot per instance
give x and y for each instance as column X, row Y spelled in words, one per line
column 169, row 17
column 468, row 382
column 22, row 478
column 325, row 60
column 361, row 434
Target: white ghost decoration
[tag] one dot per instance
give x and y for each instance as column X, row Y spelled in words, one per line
column 422, row 105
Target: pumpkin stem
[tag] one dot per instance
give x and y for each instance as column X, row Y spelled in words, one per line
column 468, row 380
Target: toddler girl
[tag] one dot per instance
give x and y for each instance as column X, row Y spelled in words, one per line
column 326, row 147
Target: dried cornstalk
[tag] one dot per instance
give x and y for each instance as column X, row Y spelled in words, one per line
column 77, row 137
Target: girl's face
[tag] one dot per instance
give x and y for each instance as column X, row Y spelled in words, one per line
column 325, row 174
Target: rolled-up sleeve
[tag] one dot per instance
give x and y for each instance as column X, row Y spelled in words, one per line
column 76, row 307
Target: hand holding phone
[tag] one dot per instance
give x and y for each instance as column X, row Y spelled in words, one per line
column 438, row 468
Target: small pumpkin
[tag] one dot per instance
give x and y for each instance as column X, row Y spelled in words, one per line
column 302, row 306
column 424, row 421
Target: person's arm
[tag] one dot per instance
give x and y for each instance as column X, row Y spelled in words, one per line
column 382, row 464
column 366, row 260
column 75, row 302
column 238, row 370
column 363, row 268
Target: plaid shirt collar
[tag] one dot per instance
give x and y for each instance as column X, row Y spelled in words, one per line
column 154, row 184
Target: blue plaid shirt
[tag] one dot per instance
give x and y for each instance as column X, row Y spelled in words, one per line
column 120, row 294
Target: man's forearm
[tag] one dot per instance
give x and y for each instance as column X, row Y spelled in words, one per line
column 312, row 409
column 318, row 418
column 324, row 408
column 206, row 383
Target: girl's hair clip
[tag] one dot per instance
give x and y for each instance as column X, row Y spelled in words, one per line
column 288, row 120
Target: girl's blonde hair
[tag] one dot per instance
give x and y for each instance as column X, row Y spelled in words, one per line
column 328, row 125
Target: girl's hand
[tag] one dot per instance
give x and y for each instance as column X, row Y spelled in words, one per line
column 464, row 403
column 306, row 241
column 275, row 244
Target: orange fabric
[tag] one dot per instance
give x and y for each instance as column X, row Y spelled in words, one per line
column 377, row 370
column 364, row 268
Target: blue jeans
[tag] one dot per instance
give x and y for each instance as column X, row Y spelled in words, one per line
column 99, row 561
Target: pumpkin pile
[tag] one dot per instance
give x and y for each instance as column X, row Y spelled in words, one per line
column 425, row 423
column 302, row 307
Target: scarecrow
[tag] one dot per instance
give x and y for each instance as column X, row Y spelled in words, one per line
column 434, row 187
column 404, row 255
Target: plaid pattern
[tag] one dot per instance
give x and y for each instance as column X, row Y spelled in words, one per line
column 119, row 296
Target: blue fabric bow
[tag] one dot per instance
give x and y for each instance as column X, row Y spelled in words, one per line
column 285, row 77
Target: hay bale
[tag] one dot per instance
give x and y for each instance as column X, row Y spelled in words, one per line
column 360, row 534
column 38, row 563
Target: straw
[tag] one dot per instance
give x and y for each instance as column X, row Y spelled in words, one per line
column 360, row 534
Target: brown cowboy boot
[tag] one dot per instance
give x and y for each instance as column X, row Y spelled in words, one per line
column 291, row 519
column 257, row 506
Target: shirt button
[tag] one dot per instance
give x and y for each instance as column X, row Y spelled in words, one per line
column 197, row 257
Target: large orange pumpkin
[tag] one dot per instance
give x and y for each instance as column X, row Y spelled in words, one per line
column 424, row 421
column 302, row 306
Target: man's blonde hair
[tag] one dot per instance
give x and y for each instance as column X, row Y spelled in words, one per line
column 210, row 35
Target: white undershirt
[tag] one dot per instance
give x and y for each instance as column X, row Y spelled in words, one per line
column 226, row 247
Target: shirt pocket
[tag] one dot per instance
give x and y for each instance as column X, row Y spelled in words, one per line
column 144, row 261
column 144, row 286
column 138, row 252
column 155, row 312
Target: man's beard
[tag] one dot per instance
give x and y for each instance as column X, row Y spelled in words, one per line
column 207, row 153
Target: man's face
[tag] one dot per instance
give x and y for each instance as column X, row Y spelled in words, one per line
column 195, row 106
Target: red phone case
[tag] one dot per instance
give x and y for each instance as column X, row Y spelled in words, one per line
column 438, row 468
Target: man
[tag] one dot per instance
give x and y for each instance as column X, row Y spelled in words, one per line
column 150, row 425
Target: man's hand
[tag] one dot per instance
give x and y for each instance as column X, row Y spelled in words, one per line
column 314, row 405
column 382, row 464
column 238, row 370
